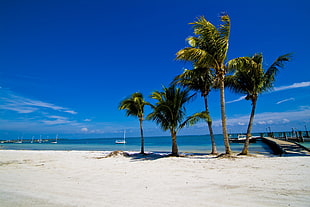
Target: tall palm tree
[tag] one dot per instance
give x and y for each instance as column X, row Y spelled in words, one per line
column 252, row 80
column 208, row 50
column 201, row 80
column 134, row 106
column 169, row 111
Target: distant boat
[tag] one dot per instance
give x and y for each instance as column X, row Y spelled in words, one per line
column 123, row 141
column 19, row 141
column 40, row 140
column 56, row 140
column 32, row 139
column 241, row 139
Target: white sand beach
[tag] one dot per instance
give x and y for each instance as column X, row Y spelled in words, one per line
column 79, row 178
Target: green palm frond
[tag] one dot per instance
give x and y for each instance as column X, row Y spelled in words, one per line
column 192, row 120
column 222, row 42
column 249, row 77
column 198, row 79
column 273, row 70
column 193, row 41
column 169, row 110
column 198, row 56
column 209, row 47
column 225, row 27
column 204, row 28
column 258, row 59
column 241, row 62
column 134, row 105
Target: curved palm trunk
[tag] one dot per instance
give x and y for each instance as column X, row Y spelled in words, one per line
column 214, row 151
column 245, row 149
column 175, row 151
column 142, row 137
column 223, row 113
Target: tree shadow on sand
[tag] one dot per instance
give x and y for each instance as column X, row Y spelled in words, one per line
column 135, row 156
column 156, row 155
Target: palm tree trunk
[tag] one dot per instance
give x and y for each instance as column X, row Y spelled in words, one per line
column 214, row 151
column 245, row 149
column 175, row 151
column 142, row 137
column 223, row 113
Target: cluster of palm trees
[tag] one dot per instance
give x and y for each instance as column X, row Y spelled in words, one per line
column 207, row 52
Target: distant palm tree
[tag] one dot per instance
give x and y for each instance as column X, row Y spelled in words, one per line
column 208, row 50
column 201, row 80
column 134, row 106
column 250, row 79
column 169, row 111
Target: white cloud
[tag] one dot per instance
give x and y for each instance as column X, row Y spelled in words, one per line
column 269, row 117
column 55, row 120
column 294, row 85
column 87, row 120
column 269, row 122
column 236, row 100
column 10, row 101
column 71, row 112
column 21, row 110
column 84, row 129
column 35, row 115
column 30, row 102
column 275, row 120
column 285, row 100
column 281, row 88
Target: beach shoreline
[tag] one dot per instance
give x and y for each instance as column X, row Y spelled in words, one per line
column 86, row 178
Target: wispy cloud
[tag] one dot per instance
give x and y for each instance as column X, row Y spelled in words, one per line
column 236, row 100
column 70, row 112
column 24, row 114
column 281, row 88
column 299, row 115
column 285, row 100
column 294, row 85
column 56, row 120
column 20, row 109
column 11, row 101
column 274, row 117
column 84, row 129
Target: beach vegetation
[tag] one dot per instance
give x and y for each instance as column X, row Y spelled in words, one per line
column 169, row 111
column 208, row 49
column 249, row 78
column 134, row 106
column 200, row 80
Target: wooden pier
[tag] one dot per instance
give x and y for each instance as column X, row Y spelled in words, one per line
column 286, row 148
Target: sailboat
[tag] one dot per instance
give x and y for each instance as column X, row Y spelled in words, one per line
column 19, row 141
column 56, row 140
column 123, row 141
column 40, row 140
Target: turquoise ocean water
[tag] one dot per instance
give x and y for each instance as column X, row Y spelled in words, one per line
column 186, row 144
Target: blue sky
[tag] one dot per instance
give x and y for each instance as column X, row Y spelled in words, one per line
column 66, row 65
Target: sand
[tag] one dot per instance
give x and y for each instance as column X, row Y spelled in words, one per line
column 82, row 178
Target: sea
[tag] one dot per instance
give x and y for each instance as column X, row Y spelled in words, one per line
column 162, row 144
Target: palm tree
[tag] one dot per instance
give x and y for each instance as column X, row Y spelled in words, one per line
column 208, row 50
column 134, row 106
column 201, row 80
column 250, row 79
column 169, row 111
